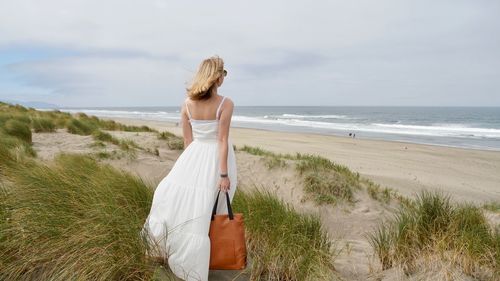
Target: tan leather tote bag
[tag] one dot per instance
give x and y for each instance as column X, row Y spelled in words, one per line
column 227, row 239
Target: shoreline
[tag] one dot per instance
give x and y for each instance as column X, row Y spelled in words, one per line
column 390, row 125
column 172, row 125
column 465, row 174
column 342, row 136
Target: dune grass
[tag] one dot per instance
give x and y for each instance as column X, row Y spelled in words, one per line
column 43, row 124
column 49, row 121
column 275, row 162
column 165, row 135
column 324, row 181
column 18, row 129
column 113, row 155
column 18, row 121
column 434, row 229
column 379, row 193
column 77, row 219
column 77, row 127
column 73, row 220
column 10, row 142
column 104, row 136
column 6, row 114
column 109, row 125
column 272, row 160
column 283, row 244
column 15, row 133
column 97, row 144
column 128, row 144
column 262, row 152
column 173, row 141
column 40, row 121
column 493, row 206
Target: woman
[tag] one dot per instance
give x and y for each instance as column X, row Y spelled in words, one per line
column 178, row 223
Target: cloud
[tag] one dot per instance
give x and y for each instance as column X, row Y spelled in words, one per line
column 109, row 80
column 105, row 53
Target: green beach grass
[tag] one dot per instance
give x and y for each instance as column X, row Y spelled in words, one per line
column 44, row 124
column 18, row 129
column 78, row 219
column 284, row 244
column 324, row 181
column 74, row 219
column 173, row 141
column 49, row 121
column 492, row 206
column 435, row 229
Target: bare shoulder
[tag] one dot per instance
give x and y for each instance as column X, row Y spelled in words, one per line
column 228, row 103
column 184, row 105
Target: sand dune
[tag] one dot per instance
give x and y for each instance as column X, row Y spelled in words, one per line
column 346, row 225
column 407, row 168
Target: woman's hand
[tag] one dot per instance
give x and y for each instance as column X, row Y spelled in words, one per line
column 224, row 184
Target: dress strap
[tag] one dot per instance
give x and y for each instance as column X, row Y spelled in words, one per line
column 218, row 108
column 187, row 109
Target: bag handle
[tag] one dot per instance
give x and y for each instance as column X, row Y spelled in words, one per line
column 229, row 209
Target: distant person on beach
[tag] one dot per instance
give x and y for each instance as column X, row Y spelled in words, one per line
column 181, row 211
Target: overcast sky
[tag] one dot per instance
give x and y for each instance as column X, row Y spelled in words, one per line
column 141, row 53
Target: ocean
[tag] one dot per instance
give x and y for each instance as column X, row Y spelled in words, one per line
column 466, row 127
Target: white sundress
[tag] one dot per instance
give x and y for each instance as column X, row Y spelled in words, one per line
column 179, row 220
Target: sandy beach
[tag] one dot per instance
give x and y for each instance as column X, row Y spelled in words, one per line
column 465, row 174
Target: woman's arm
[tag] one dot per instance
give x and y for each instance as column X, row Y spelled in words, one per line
column 222, row 138
column 187, row 131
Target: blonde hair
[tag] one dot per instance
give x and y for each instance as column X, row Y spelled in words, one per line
column 203, row 82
